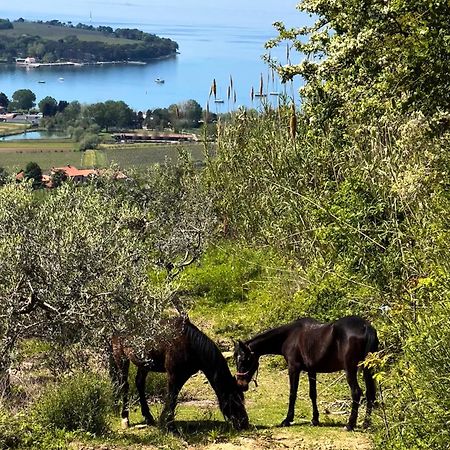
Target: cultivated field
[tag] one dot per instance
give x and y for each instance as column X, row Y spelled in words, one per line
column 55, row 153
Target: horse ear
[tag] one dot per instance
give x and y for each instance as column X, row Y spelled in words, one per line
column 244, row 347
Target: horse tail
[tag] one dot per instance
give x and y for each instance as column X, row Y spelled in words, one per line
column 371, row 340
column 371, row 346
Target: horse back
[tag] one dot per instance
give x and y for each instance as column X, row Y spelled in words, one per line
column 333, row 346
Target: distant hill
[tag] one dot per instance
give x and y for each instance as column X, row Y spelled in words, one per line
column 56, row 41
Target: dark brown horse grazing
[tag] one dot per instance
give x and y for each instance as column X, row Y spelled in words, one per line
column 184, row 353
column 315, row 348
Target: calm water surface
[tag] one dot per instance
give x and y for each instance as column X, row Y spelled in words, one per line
column 216, row 41
column 33, row 135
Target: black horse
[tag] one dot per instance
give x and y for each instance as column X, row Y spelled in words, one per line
column 309, row 345
column 186, row 351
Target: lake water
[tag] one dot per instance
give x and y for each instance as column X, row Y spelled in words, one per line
column 33, row 135
column 216, row 40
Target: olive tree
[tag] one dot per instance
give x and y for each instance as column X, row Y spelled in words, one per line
column 74, row 267
column 82, row 262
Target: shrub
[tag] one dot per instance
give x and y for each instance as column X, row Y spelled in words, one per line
column 226, row 273
column 9, row 433
column 89, row 141
column 417, row 397
column 81, row 402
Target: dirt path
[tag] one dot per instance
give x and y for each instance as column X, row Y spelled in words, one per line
column 286, row 440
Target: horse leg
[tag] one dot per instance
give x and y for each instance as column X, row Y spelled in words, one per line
column 141, row 375
column 352, row 380
column 294, row 375
column 313, row 397
column 174, row 385
column 115, row 381
column 123, row 367
column 370, row 394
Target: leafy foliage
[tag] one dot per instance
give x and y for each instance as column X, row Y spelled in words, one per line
column 38, row 40
column 371, row 60
column 75, row 261
column 354, row 187
column 81, row 402
column 22, row 99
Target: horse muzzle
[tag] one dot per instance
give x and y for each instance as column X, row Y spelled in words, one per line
column 242, row 384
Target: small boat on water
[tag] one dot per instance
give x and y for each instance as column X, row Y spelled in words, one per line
column 61, row 79
column 41, row 81
column 159, row 81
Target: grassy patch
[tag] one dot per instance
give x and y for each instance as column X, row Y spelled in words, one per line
column 143, row 155
column 15, row 159
column 200, row 423
column 55, row 33
column 55, row 153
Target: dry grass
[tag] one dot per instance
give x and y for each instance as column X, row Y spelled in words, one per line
column 7, row 128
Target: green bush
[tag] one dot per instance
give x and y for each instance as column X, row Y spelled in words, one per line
column 81, row 402
column 416, row 389
column 88, row 141
column 9, row 432
column 20, row 432
column 226, row 273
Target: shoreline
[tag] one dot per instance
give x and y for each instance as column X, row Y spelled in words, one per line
column 36, row 65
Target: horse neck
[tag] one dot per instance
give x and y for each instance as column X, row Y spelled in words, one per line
column 268, row 343
column 219, row 378
column 211, row 362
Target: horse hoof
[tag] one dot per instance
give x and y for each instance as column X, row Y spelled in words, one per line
column 348, row 428
column 314, row 423
column 285, row 423
column 172, row 429
column 125, row 424
column 149, row 420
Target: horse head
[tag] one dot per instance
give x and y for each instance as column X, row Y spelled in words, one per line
column 247, row 364
column 233, row 409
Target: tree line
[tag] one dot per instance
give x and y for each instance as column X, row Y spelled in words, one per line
column 142, row 47
column 108, row 114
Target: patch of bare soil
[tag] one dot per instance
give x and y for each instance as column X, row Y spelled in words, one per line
column 287, row 440
column 77, row 446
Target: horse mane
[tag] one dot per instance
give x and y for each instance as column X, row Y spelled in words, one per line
column 210, row 357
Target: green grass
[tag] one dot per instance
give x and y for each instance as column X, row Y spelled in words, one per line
column 55, row 153
column 55, row 32
column 201, row 424
column 45, row 159
column 143, row 155
column 14, row 155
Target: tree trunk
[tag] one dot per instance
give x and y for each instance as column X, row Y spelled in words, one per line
column 6, row 349
column 5, row 383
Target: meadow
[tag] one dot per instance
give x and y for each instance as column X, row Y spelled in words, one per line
column 59, row 152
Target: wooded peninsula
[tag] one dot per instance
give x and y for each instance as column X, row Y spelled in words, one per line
column 54, row 41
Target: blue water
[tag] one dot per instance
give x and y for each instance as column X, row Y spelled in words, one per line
column 216, row 39
column 33, row 135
